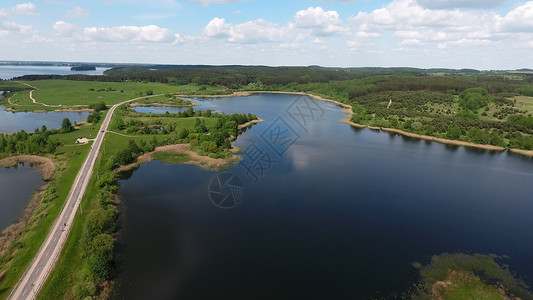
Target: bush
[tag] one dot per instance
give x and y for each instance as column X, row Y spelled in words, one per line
column 66, row 126
column 98, row 106
column 99, row 266
column 453, row 133
column 209, row 147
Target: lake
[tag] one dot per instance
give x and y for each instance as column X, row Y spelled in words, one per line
column 160, row 109
column 11, row 122
column 17, row 185
column 8, row 72
column 328, row 211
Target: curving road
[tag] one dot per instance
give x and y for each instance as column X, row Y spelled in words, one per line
column 42, row 264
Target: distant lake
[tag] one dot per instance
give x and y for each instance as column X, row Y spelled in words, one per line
column 8, row 72
column 333, row 213
column 160, row 109
column 17, row 184
column 11, row 122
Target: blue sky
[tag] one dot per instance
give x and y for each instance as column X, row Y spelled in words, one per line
column 481, row 34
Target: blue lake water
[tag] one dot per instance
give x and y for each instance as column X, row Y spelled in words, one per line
column 8, row 72
column 328, row 211
column 11, row 122
column 160, row 109
column 17, row 185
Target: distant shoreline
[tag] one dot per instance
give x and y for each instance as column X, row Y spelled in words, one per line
column 349, row 112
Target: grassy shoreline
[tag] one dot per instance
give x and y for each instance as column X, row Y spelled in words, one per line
column 188, row 157
column 46, row 165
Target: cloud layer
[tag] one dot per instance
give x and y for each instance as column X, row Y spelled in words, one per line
column 399, row 32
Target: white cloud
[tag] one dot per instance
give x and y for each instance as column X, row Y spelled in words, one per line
column 410, row 42
column 470, row 42
column 28, row 9
column 217, row 28
column 319, row 40
column 451, row 4
column 257, row 31
column 16, row 28
column 3, row 13
column 64, row 29
column 519, row 19
column 150, row 33
column 319, row 21
column 415, row 25
column 35, row 39
column 77, row 13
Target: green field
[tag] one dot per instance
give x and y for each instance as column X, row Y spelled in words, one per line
column 64, row 94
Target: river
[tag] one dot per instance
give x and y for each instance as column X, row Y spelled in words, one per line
column 328, row 211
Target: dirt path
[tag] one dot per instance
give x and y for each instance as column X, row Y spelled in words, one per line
column 9, row 99
column 124, row 135
column 31, row 94
column 67, row 108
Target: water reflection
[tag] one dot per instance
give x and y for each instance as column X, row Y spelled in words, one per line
column 11, row 122
column 16, row 185
column 341, row 214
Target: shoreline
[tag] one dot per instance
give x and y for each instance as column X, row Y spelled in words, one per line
column 349, row 112
column 204, row 162
column 75, row 110
column 44, row 164
column 138, row 104
column 45, row 111
column 250, row 123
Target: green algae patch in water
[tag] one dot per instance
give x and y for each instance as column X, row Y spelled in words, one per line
column 463, row 276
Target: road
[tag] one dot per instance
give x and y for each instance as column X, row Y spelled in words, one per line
column 43, row 262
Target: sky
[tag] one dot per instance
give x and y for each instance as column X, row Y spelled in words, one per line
column 479, row 34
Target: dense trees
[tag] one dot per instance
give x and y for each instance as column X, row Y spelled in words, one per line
column 474, row 98
column 97, row 107
column 66, row 126
column 431, row 111
column 94, row 117
column 22, row 142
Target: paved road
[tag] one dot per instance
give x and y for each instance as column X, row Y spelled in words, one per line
column 43, row 262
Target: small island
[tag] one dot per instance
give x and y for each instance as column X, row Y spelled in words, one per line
column 83, row 68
